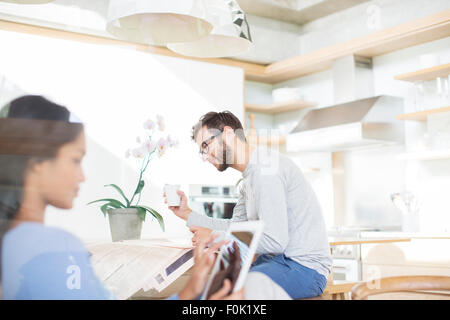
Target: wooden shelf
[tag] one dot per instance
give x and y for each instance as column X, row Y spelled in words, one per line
column 279, row 107
column 426, row 155
column 425, row 74
column 421, row 115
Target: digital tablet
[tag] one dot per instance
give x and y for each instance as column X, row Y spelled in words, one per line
column 244, row 238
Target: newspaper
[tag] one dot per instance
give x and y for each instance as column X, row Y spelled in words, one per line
column 125, row 267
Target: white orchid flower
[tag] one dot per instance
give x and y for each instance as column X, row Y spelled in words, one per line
column 160, row 122
column 171, row 141
column 162, row 146
column 139, row 152
column 149, row 125
column 127, row 153
column 149, row 145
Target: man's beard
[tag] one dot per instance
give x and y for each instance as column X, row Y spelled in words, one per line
column 227, row 158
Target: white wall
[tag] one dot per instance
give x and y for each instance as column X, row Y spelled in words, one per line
column 113, row 91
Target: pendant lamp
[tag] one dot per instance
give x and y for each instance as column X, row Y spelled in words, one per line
column 230, row 36
column 158, row 22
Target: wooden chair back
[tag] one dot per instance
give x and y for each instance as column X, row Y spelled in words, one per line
column 400, row 284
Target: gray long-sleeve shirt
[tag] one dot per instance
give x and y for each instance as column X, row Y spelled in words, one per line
column 274, row 190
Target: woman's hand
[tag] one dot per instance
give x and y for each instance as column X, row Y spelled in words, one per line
column 231, row 272
column 201, row 235
column 203, row 263
column 182, row 211
column 222, row 293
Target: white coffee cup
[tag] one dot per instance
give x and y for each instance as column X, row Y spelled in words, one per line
column 173, row 199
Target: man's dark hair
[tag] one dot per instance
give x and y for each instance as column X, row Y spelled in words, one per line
column 219, row 120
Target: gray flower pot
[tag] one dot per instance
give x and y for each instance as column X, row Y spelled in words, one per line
column 125, row 224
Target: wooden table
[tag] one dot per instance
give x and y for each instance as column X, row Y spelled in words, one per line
column 334, row 289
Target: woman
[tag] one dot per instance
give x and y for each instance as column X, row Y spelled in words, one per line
column 40, row 160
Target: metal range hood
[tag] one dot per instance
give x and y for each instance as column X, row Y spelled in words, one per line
column 355, row 124
column 357, row 119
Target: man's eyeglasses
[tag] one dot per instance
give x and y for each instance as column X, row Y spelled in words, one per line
column 205, row 144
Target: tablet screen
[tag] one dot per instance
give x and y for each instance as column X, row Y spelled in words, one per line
column 235, row 258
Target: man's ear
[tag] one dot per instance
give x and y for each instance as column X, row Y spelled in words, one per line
column 228, row 133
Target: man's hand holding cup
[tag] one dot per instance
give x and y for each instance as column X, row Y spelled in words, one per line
column 176, row 201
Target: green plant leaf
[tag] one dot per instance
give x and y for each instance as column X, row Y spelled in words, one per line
column 158, row 216
column 113, row 203
column 120, row 192
column 105, row 208
column 140, row 187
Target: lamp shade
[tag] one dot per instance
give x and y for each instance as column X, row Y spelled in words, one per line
column 158, row 22
column 230, row 36
column 27, row 1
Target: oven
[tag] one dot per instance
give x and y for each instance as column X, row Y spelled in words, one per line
column 216, row 201
column 347, row 262
column 347, row 265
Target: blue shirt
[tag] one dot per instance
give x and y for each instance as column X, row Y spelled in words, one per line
column 40, row 262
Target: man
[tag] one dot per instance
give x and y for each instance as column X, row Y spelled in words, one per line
column 293, row 254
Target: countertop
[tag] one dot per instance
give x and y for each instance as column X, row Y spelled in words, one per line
column 334, row 241
column 400, row 234
column 386, row 237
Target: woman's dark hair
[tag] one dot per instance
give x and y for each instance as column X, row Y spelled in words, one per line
column 33, row 130
column 219, row 120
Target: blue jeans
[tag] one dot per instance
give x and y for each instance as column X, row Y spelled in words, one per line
column 297, row 280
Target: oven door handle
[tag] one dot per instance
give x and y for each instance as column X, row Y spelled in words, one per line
column 341, row 268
